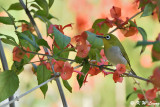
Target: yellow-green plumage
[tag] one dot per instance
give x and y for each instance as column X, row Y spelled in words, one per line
column 115, row 51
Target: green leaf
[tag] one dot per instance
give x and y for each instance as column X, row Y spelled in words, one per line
column 23, row 21
column 17, row 67
column 50, row 3
column 11, row 17
column 144, row 43
column 148, row 9
column 78, row 59
column 6, row 20
column 158, row 12
column 23, row 36
column 85, row 69
column 41, row 14
column 26, row 44
column 61, row 40
column 44, row 5
column 144, row 36
column 94, row 54
column 96, row 46
column 35, row 6
column 9, row 83
column 67, row 85
column 142, row 3
column 60, row 53
column 10, row 42
column 157, row 99
column 93, row 40
column 43, row 17
column 15, row 6
column 8, row 37
column 134, row 92
column 43, row 74
column 156, row 52
column 103, row 29
column 132, row 23
column 42, row 42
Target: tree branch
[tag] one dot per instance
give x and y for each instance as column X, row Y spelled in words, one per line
column 29, row 91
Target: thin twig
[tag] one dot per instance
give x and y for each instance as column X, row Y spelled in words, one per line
column 138, row 83
column 29, row 91
column 129, row 19
column 52, row 56
column 39, row 61
column 78, row 66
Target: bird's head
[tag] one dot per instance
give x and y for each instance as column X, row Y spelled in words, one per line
column 109, row 40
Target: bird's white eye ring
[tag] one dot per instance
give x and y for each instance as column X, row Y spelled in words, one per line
column 108, row 37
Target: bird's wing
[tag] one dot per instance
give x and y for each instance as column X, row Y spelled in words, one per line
column 124, row 54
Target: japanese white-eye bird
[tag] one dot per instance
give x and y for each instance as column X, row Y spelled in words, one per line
column 115, row 52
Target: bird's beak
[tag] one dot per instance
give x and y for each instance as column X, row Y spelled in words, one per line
column 100, row 36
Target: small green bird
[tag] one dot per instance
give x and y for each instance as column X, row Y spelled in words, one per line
column 115, row 51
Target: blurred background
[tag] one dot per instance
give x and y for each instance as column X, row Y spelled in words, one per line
column 99, row 91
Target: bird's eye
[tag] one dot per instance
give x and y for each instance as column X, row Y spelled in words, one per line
column 108, row 37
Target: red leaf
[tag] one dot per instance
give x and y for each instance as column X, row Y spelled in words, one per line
column 103, row 54
column 50, row 29
column 158, row 38
column 67, row 71
column 48, row 66
column 117, row 78
column 115, row 12
column 58, row 67
column 59, row 27
column 85, row 79
column 107, row 73
column 121, row 68
column 83, row 50
column 130, row 31
column 140, row 96
column 26, row 27
column 155, row 78
column 68, row 25
column 81, row 39
column 18, row 54
column 151, row 94
column 94, row 71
